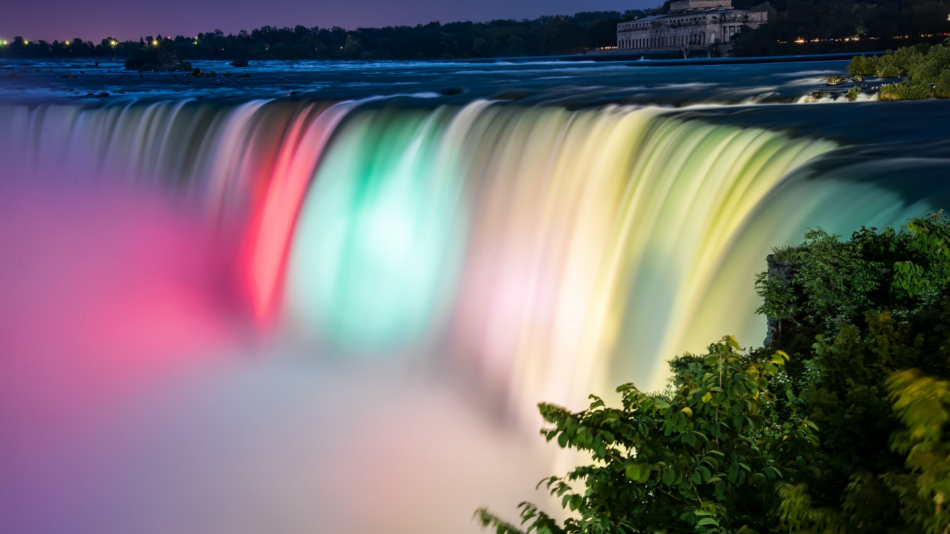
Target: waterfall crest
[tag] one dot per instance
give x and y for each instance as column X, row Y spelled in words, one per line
column 550, row 253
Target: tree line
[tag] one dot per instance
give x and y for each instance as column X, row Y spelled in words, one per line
column 822, row 26
column 795, row 27
column 548, row 35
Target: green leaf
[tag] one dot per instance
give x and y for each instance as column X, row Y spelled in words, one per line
column 669, row 476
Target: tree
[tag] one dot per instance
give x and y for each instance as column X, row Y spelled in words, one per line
column 701, row 459
column 846, row 435
column 876, row 304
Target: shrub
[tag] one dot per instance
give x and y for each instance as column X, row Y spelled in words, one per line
column 883, row 455
column 929, row 69
column 901, row 61
column 697, row 461
column 942, row 87
column 906, row 90
column 839, row 281
column 788, row 254
column 925, row 65
column 863, row 66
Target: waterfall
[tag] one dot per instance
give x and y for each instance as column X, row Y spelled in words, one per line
column 548, row 252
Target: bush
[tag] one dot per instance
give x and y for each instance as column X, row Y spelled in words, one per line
column 942, row 87
column 698, row 461
column 906, row 90
column 926, row 66
column 863, row 66
column 880, row 428
column 836, row 282
column 901, row 61
column 930, row 67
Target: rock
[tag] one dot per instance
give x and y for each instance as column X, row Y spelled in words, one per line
column 239, row 63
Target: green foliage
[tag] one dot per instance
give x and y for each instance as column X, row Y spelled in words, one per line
column 788, row 254
column 900, row 271
column 922, row 404
column 906, row 90
column 853, row 93
column 877, row 304
column 778, row 297
column 942, row 86
column 927, row 66
column 697, row 462
column 891, row 64
column 845, row 436
column 900, row 63
column 863, row 66
column 900, row 487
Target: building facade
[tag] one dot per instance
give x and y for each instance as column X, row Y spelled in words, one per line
column 690, row 25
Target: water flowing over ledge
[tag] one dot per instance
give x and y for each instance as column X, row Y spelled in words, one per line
column 237, row 315
column 548, row 252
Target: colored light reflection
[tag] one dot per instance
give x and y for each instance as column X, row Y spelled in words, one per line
column 378, row 239
column 286, row 181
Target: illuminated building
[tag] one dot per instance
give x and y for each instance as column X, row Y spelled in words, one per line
column 690, row 25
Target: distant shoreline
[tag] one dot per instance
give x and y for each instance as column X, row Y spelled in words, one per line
column 638, row 58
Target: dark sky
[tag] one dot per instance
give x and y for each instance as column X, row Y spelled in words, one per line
column 95, row 19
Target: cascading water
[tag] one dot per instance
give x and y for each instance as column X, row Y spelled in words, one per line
column 552, row 252
column 540, row 252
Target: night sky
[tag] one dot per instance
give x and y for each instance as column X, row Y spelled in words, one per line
column 96, row 19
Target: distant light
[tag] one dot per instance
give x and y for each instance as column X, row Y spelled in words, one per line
column 114, row 42
column 26, row 42
column 155, row 43
column 196, row 42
